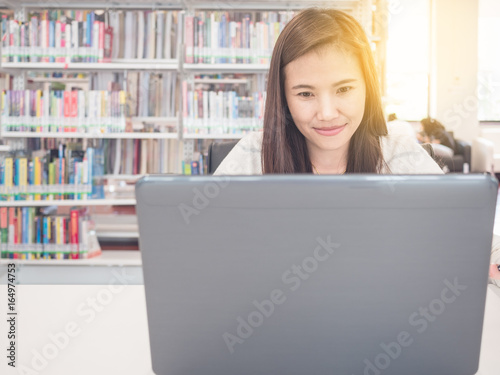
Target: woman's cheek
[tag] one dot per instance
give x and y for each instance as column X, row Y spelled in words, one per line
column 303, row 112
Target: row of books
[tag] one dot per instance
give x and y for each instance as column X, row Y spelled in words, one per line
column 146, row 34
column 28, row 233
column 221, row 112
column 90, row 36
column 232, row 37
column 152, row 94
column 63, row 111
column 66, row 172
column 51, row 36
column 141, row 156
column 194, row 167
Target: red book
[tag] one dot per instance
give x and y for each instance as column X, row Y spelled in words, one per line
column 12, row 229
column 108, row 44
column 57, row 39
column 137, row 143
column 101, row 42
column 74, row 239
column 74, row 107
column 63, row 36
column 67, row 108
column 64, row 235
column 189, row 39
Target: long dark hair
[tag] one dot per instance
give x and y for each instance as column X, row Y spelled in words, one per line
column 284, row 148
column 431, row 126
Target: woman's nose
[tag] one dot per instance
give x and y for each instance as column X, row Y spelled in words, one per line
column 327, row 110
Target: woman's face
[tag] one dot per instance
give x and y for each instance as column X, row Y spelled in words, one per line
column 325, row 92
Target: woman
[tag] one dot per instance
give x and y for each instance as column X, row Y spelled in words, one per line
column 435, row 132
column 323, row 111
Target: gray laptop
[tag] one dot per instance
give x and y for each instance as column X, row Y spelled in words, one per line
column 302, row 274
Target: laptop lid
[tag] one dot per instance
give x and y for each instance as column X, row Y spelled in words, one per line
column 302, row 274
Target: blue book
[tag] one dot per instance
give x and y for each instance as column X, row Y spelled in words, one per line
column 52, row 32
column 31, row 173
column 60, row 166
column 45, row 236
column 2, row 171
column 89, row 36
column 38, row 236
column 201, row 165
column 16, row 176
column 90, row 164
column 97, row 173
column 195, row 167
column 220, row 58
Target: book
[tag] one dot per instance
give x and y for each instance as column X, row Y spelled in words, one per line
column 4, row 232
column 74, row 233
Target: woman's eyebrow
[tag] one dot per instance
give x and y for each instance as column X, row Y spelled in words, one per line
column 343, row 82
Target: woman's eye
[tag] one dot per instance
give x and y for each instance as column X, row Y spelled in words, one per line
column 305, row 94
column 344, row 89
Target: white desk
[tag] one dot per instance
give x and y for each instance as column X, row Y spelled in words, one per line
column 115, row 340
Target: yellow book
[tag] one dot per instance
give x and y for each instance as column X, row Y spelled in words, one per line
column 103, row 114
column 123, row 104
column 38, row 175
column 59, row 237
column 8, row 172
column 23, row 175
column 123, row 97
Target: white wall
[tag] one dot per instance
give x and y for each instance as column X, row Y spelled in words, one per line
column 454, row 54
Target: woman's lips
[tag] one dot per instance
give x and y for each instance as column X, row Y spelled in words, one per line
column 330, row 131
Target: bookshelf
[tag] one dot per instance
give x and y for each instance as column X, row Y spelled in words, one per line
column 213, row 136
column 107, row 259
column 226, row 68
column 69, row 203
column 363, row 10
column 182, row 134
column 71, row 135
column 161, row 65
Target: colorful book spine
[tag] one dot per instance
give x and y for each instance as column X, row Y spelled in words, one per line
column 12, row 241
column 4, row 232
column 74, row 233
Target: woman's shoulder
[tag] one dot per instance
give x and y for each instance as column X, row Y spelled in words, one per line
column 251, row 142
column 244, row 158
column 404, row 155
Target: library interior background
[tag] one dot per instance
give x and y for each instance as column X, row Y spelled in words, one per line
column 94, row 98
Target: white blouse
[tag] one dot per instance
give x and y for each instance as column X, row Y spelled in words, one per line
column 401, row 152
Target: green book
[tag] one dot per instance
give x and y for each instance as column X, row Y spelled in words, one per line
column 4, row 233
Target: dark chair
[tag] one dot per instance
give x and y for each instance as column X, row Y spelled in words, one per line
column 218, row 151
column 462, row 155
